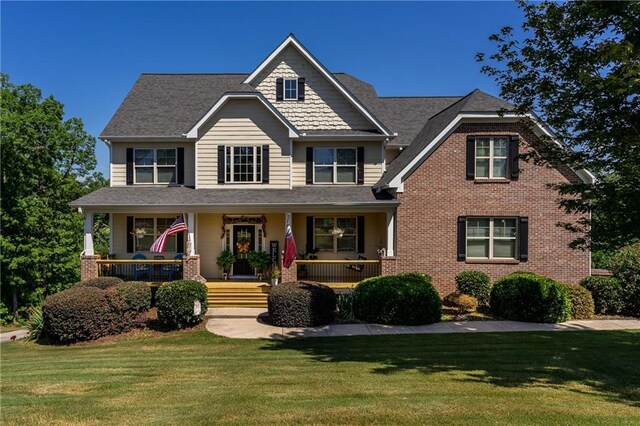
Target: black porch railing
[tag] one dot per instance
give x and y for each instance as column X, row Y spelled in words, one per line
column 155, row 271
column 337, row 271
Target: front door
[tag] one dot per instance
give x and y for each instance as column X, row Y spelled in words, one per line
column 244, row 241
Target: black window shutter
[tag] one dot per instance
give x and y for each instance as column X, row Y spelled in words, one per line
column 309, row 246
column 471, row 158
column 360, row 231
column 180, row 176
column 129, row 234
column 265, row 163
column 129, row 166
column 301, row 88
column 462, row 238
column 221, row 155
column 309, row 165
column 523, row 236
column 360, row 165
column 514, row 166
column 180, row 242
column 279, row 89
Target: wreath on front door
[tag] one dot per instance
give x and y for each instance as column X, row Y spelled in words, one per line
column 243, row 244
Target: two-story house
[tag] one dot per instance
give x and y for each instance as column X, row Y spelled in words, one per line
column 430, row 184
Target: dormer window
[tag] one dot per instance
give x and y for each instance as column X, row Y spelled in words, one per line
column 290, row 89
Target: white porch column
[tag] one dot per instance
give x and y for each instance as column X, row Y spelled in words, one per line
column 391, row 232
column 191, row 238
column 88, row 234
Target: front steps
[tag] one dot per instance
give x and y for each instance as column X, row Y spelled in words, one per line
column 247, row 294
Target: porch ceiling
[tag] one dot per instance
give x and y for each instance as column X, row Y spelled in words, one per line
column 171, row 199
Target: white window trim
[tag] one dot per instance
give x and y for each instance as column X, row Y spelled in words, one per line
column 154, row 166
column 335, row 166
column 491, row 157
column 155, row 234
column 284, row 89
column 257, row 177
column 335, row 237
column 491, row 238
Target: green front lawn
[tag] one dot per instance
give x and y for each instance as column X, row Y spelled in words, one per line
column 194, row 377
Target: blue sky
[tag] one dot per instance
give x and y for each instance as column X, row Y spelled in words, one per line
column 88, row 55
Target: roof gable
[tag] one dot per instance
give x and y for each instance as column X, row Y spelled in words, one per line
column 291, row 42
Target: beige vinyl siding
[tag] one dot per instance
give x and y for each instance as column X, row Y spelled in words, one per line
column 119, row 159
column 375, row 234
column 243, row 122
column 119, row 235
column 372, row 159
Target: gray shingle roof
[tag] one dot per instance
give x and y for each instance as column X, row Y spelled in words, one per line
column 168, row 105
column 178, row 197
column 476, row 101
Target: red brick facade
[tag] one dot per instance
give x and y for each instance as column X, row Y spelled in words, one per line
column 191, row 267
column 438, row 192
column 88, row 267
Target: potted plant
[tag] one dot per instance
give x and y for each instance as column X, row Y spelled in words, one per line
column 259, row 261
column 225, row 262
column 275, row 275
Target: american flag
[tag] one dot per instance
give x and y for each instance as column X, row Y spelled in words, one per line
column 178, row 225
column 290, row 249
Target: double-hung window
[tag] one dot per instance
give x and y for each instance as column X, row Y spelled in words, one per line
column 491, row 238
column 335, row 165
column 337, row 234
column 155, row 165
column 243, row 164
column 147, row 230
column 491, row 157
column 290, row 89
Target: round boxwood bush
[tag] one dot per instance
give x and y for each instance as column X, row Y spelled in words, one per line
column 100, row 282
column 176, row 301
column 130, row 301
column 76, row 314
column 301, row 304
column 524, row 296
column 582, row 306
column 474, row 283
column 404, row 299
column 606, row 293
column 464, row 303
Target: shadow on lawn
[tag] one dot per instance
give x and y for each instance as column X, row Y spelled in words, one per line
column 604, row 363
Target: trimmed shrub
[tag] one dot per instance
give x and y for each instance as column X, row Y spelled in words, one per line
column 464, row 303
column 176, row 303
column 78, row 313
column 404, row 299
column 100, row 282
column 474, row 283
column 523, row 296
column 625, row 265
column 301, row 304
column 606, row 293
column 130, row 302
column 582, row 306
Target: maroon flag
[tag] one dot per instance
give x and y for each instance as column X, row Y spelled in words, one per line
column 290, row 249
column 177, row 226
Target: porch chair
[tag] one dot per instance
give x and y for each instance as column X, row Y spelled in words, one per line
column 356, row 267
column 172, row 269
column 140, row 269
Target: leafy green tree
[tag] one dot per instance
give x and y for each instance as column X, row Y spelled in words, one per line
column 47, row 162
column 577, row 66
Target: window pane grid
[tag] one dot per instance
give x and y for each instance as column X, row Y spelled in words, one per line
column 491, row 157
column 335, row 165
column 155, row 165
column 243, row 164
column 147, row 230
column 491, row 238
column 327, row 240
column 291, row 89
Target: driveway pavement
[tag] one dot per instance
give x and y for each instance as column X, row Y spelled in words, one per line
column 5, row 337
column 250, row 323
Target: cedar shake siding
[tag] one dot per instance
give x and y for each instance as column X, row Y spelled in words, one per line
column 323, row 106
column 438, row 192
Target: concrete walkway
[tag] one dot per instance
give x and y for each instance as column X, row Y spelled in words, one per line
column 5, row 337
column 248, row 323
